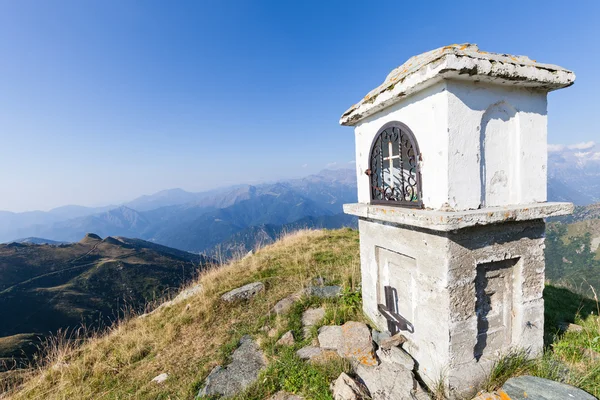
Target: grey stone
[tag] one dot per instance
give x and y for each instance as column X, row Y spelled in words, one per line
column 187, row 293
column 388, row 381
column 319, row 281
column 450, row 61
column 244, row 293
column 487, row 396
column 247, row 362
column 160, row 378
column 357, row 343
column 448, row 221
column 313, row 316
column 393, row 341
column 574, row 328
column 534, row 388
column 309, row 352
column 287, row 339
column 594, row 356
column 286, row 303
column 379, row 336
column 183, row 295
column 346, row 388
column 396, row 355
column 285, row 396
column 316, row 354
column 324, row 292
column 330, row 337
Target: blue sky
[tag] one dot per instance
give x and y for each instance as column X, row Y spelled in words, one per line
column 102, row 101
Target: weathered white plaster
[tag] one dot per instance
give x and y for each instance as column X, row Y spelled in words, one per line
column 426, row 114
column 481, row 144
column 468, row 268
column 497, row 145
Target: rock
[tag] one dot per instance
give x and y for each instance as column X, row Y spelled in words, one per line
column 574, row 328
column 569, row 327
column 357, row 343
column 319, row 281
column 285, row 396
column 487, row 396
column 420, row 393
column 160, row 378
column 313, row 316
column 286, row 303
column 330, row 337
column 379, row 336
column 287, row 339
column 316, row 354
column 591, row 354
column 346, row 388
column 187, row 293
column 309, row 352
column 398, row 356
column 324, row 292
column 393, row 341
column 272, row 333
column 183, row 295
column 388, row 381
column 244, row 293
column 248, row 361
column 531, row 387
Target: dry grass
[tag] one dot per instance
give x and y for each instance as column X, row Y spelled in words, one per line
column 187, row 339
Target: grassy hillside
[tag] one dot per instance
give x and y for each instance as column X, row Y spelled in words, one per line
column 189, row 338
column 45, row 288
column 573, row 251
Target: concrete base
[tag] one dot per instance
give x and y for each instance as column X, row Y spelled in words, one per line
column 469, row 295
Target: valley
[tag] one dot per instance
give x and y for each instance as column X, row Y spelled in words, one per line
column 92, row 283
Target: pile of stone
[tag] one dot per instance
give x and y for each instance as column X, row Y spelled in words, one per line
column 383, row 370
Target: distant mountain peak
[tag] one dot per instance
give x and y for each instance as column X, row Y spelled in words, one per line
column 90, row 237
column 112, row 240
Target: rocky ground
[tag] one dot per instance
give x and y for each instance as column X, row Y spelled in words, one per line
column 381, row 369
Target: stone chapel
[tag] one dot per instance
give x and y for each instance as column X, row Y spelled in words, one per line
column 451, row 159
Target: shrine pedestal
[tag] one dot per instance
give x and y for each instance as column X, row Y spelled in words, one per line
column 463, row 296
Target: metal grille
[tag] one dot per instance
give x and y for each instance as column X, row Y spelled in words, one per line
column 394, row 167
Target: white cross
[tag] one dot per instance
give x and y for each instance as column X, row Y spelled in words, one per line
column 391, row 159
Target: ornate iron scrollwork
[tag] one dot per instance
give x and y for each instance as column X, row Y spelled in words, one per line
column 393, row 171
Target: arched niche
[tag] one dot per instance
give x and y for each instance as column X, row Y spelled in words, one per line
column 394, row 174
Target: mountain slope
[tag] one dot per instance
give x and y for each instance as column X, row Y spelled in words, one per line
column 188, row 339
column 44, row 288
column 257, row 236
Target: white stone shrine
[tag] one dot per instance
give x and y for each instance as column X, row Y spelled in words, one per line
column 451, row 157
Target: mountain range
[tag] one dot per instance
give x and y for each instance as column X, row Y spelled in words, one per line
column 574, row 173
column 199, row 222
column 238, row 218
